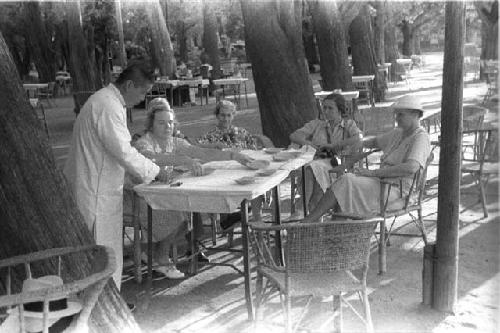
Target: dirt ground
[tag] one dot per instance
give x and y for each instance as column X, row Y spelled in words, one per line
column 213, row 300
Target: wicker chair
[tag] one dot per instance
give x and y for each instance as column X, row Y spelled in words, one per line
column 484, row 161
column 87, row 289
column 318, row 261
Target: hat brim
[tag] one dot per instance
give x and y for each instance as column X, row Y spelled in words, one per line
column 73, row 307
column 420, row 111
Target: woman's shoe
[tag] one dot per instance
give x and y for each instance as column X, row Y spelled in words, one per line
column 170, row 272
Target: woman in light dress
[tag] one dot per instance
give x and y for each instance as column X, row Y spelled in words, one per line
column 332, row 135
column 405, row 150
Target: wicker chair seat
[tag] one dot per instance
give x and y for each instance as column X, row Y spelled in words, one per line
column 314, row 284
column 475, row 167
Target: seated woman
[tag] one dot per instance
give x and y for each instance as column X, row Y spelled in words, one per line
column 405, row 150
column 226, row 135
column 159, row 144
column 332, row 135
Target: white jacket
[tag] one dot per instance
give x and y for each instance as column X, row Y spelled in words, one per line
column 99, row 155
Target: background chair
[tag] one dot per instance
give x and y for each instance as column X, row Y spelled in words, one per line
column 483, row 163
column 319, row 259
column 365, row 91
column 47, row 93
column 87, row 289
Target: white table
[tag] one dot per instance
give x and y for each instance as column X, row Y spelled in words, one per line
column 236, row 83
column 219, row 193
column 32, row 88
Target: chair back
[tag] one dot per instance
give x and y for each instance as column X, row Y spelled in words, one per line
column 421, row 180
column 102, row 263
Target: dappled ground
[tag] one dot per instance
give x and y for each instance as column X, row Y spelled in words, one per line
column 213, row 300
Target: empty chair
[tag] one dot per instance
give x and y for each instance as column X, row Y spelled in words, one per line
column 47, row 93
column 319, row 260
column 483, row 163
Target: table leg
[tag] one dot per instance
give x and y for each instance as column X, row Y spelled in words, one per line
column 303, row 194
column 246, row 95
column 149, row 280
column 193, row 265
column 246, row 258
column 277, row 220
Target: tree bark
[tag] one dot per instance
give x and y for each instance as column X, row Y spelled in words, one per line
column 363, row 51
column 379, row 29
column 407, row 32
column 489, row 31
column 83, row 67
column 210, row 40
column 122, row 55
column 162, row 46
column 39, row 42
column 332, row 45
column 308, row 39
column 273, row 35
column 38, row 211
column 446, row 265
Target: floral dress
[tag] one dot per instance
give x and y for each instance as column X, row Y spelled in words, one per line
column 235, row 137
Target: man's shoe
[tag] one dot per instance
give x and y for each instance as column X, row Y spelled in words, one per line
column 170, row 272
column 202, row 257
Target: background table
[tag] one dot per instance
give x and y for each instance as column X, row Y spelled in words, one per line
column 32, row 88
column 236, row 83
column 219, row 193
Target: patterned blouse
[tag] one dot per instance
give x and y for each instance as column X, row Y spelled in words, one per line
column 235, row 137
column 147, row 143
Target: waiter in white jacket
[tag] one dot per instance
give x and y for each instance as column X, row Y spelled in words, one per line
column 100, row 153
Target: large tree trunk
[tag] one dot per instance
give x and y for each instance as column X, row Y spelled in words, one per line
column 445, row 274
column 83, row 68
column 39, row 42
column 308, row 40
column 36, row 205
column 391, row 48
column 210, row 40
column 122, row 55
column 363, row 52
column 163, row 51
column 488, row 12
column 332, row 45
column 407, row 32
column 273, row 35
column 379, row 29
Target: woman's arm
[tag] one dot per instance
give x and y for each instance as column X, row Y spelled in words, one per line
column 405, row 169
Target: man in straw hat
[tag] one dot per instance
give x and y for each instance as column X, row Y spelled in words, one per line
column 405, row 150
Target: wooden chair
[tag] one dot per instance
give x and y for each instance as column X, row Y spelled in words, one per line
column 319, row 260
column 365, row 91
column 47, row 93
column 408, row 205
column 87, row 289
column 159, row 89
column 403, row 69
column 484, row 162
column 131, row 219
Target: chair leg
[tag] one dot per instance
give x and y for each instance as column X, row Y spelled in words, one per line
column 482, row 197
column 368, row 314
column 422, row 226
column 288, row 310
column 382, row 250
column 175, row 255
column 137, row 255
column 213, row 219
column 258, row 296
column 337, row 308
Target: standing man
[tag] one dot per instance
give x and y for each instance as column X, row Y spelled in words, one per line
column 100, row 153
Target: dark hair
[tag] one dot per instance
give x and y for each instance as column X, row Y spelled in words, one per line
column 138, row 72
column 223, row 104
column 340, row 101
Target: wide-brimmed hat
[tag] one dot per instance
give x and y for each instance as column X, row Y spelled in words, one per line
column 409, row 102
column 33, row 312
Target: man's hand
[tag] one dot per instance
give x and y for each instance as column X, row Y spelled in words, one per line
column 196, row 168
column 165, row 174
column 364, row 172
column 243, row 159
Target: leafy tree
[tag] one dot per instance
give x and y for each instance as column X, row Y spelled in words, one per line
column 414, row 16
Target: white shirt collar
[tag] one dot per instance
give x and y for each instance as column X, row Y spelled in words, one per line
column 117, row 93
